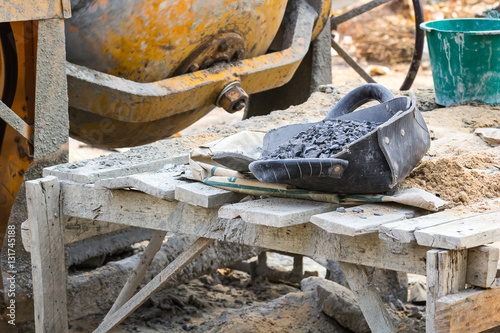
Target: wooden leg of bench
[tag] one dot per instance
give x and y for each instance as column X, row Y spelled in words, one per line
column 159, row 281
column 47, row 255
column 138, row 273
column 368, row 298
column 446, row 274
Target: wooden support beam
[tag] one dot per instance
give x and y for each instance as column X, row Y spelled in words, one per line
column 47, row 255
column 51, row 108
column 16, row 122
column 74, row 230
column 368, row 297
column 159, row 281
column 446, row 273
column 142, row 210
column 139, row 272
column 471, row 310
column 482, row 264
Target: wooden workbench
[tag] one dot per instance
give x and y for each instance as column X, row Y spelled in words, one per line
column 448, row 248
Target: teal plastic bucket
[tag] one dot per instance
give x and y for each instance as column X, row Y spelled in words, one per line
column 465, row 59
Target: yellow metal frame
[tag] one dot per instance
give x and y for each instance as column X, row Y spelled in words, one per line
column 16, row 155
column 18, row 150
column 120, row 99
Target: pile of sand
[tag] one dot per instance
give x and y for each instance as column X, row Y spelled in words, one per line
column 464, row 179
column 460, row 167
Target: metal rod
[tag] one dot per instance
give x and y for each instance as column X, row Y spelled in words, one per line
column 336, row 20
column 418, row 48
column 347, row 58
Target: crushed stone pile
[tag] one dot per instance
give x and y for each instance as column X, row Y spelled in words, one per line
column 323, row 140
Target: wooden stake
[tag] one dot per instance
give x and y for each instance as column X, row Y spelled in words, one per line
column 446, row 273
column 159, row 281
column 137, row 275
column 368, row 298
column 47, row 255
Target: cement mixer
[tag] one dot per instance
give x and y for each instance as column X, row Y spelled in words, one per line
column 151, row 68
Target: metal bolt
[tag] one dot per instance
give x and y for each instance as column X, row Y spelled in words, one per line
column 402, row 132
column 232, row 98
column 337, row 169
column 386, row 140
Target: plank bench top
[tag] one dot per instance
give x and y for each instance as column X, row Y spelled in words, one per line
column 445, row 230
column 447, row 247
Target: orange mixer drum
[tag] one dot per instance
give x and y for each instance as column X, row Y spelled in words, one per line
column 151, row 40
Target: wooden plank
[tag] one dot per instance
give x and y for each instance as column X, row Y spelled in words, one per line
column 471, row 310
column 114, row 165
column 352, row 223
column 160, row 185
column 468, row 232
column 74, row 230
column 137, row 275
column 156, row 283
column 47, row 256
column 368, row 298
column 482, row 263
column 16, row 122
column 275, row 212
column 133, row 208
column 497, row 245
column 149, row 158
column 403, row 231
column 446, row 274
column 199, row 194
